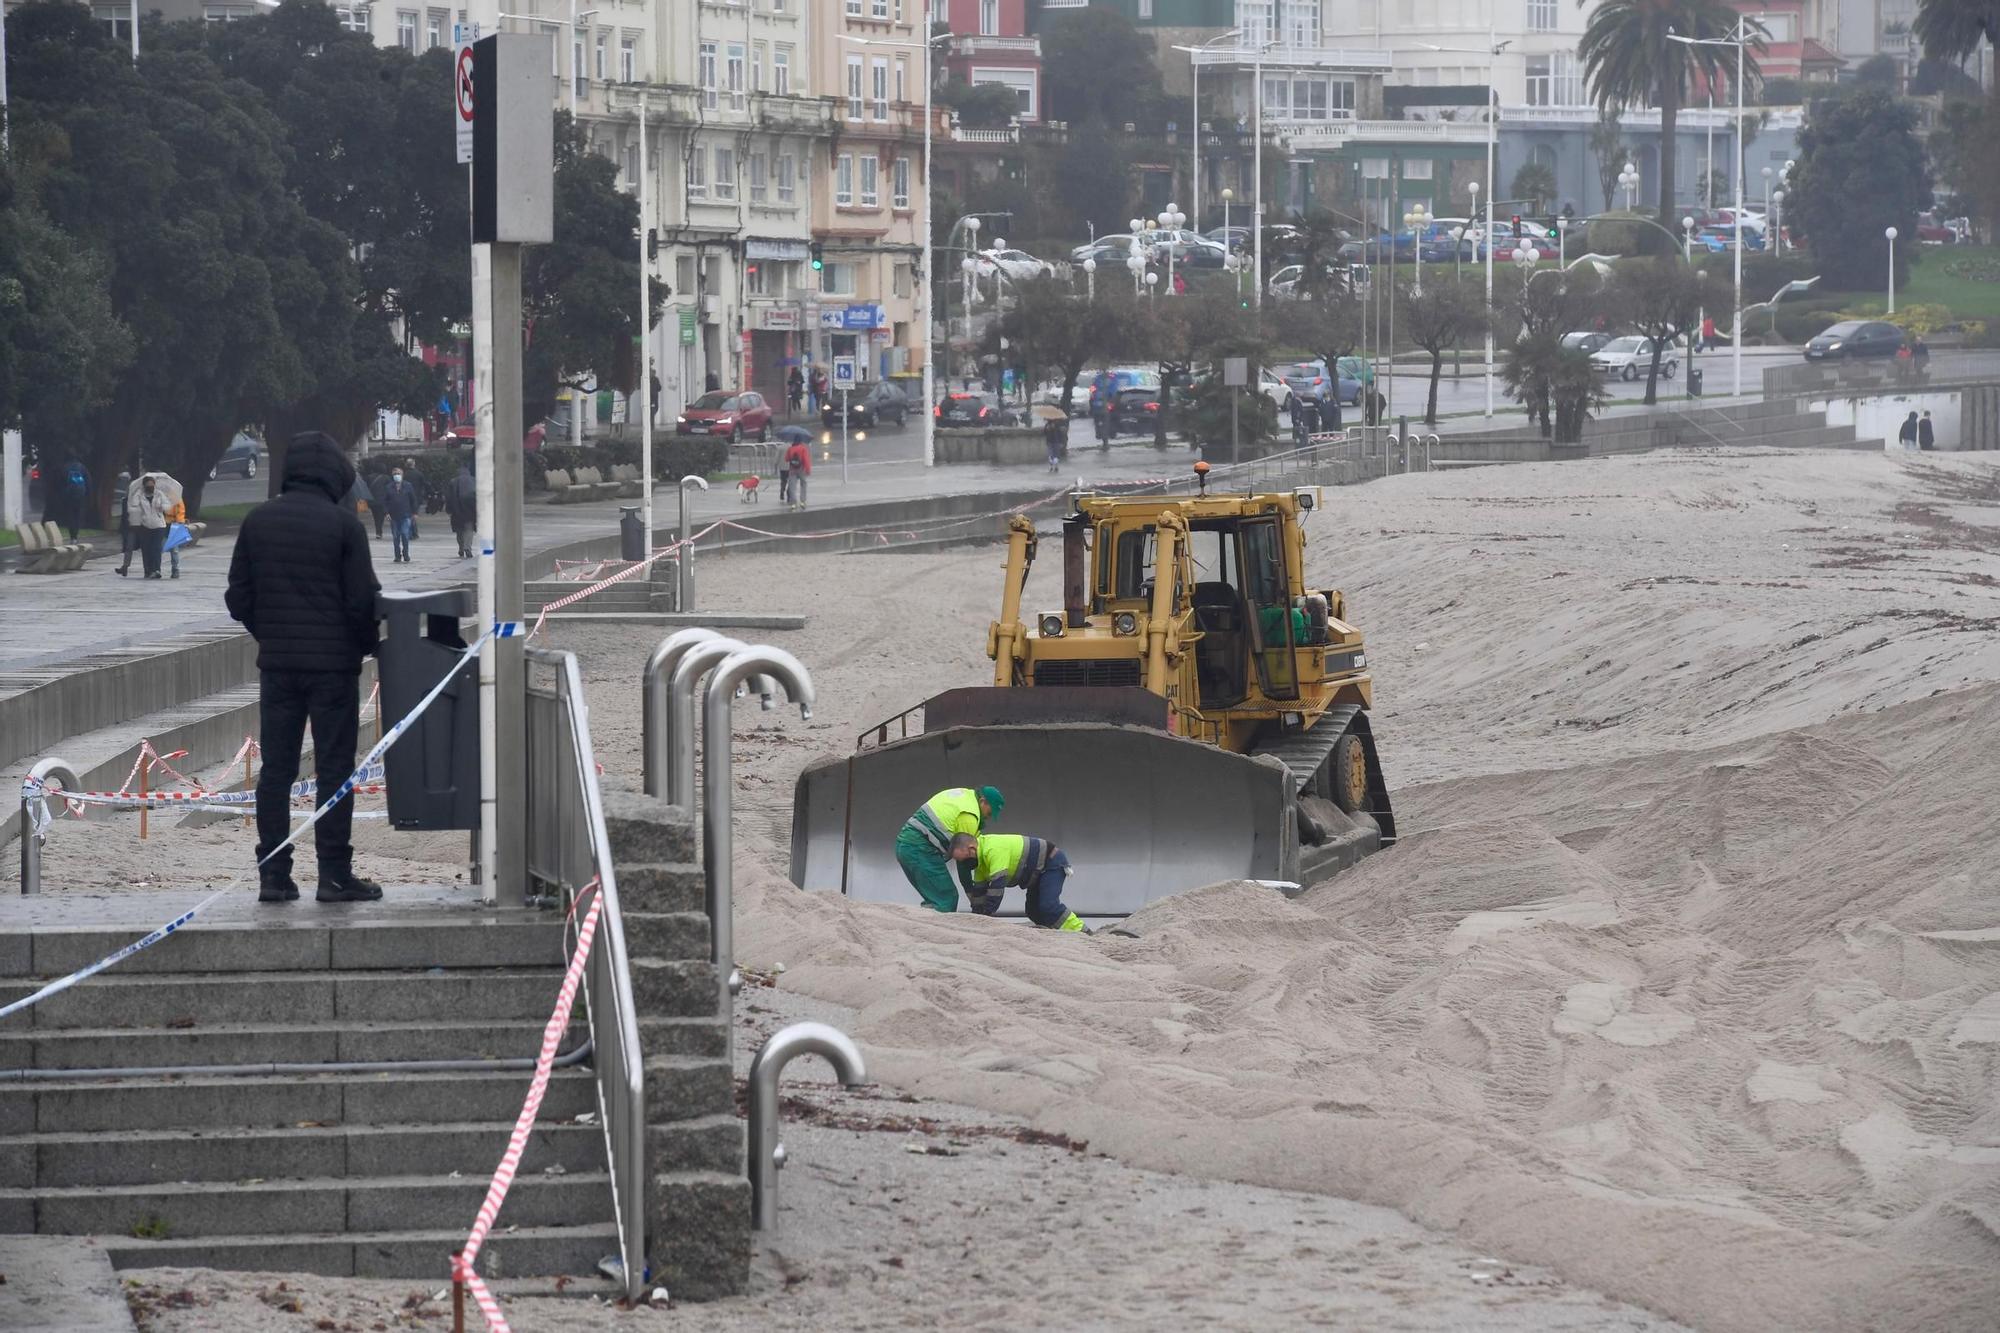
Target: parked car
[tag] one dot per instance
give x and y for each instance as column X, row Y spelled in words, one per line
column 1235, row 236
column 1134, row 411
column 1357, row 368
column 735, row 413
column 877, row 401
column 242, row 458
column 1182, row 243
column 1017, row 265
column 1586, row 341
column 1123, row 378
column 1854, row 338
column 1201, row 253
column 1309, row 378
column 1631, row 357
column 966, row 408
column 1117, row 240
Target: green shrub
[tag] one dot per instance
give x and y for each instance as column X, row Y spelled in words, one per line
column 1802, row 321
column 676, row 456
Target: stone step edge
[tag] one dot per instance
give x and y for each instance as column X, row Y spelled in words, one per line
column 292, row 1185
column 239, row 1133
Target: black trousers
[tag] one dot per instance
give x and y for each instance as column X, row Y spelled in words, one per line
column 331, row 702
column 152, row 542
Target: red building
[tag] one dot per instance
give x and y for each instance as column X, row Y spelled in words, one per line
column 990, row 44
column 1793, row 45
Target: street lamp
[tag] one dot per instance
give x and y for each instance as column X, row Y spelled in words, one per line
column 1687, row 240
column 1890, row 232
column 1628, row 181
column 1562, row 242
column 1171, row 221
column 1740, row 41
column 1194, row 104
column 1777, row 223
column 1493, row 48
column 1418, row 221
column 1135, row 266
column 1090, row 276
column 1152, row 283
column 1767, row 192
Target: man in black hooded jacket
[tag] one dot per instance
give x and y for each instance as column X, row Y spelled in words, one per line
column 302, row 583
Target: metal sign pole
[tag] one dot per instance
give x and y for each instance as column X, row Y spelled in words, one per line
column 844, row 396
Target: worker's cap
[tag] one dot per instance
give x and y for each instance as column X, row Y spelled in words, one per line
column 993, row 798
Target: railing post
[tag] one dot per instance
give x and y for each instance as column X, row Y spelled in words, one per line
column 655, row 708
column 35, row 833
column 696, row 663
column 767, row 1154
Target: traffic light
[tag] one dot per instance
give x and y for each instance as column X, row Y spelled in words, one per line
column 818, row 256
column 652, row 242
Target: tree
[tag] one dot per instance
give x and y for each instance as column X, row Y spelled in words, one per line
column 1054, row 331
column 1315, row 247
column 1442, row 318
column 1091, row 182
column 1324, row 329
column 1555, row 384
column 1535, row 181
column 1096, row 66
column 1944, row 79
column 980, row 106
column 1953, row 29
column 1861, row 170
column 1631, row 59
column 1608, row 147
column 1879, row 72
column 1659, row 298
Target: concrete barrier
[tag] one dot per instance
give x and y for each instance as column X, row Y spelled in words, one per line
column 108, row 688
column 1000, row 446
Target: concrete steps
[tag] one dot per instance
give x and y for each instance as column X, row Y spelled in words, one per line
column 272, row 1043
column 424, row 1255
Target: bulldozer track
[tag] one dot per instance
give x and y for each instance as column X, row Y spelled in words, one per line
column 1303, row 752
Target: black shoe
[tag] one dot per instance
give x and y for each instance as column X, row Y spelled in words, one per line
column 348, row 888
column 124, row 571
column 276, row 886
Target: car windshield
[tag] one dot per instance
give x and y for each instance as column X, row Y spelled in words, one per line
column 1576, row 339
column 714, row 402
column 1628, row 344
column 1847, row 328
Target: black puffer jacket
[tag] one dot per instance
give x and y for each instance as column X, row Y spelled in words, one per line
column 301, row 580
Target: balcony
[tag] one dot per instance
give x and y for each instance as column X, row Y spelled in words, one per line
column 1005, row 134
column 792, row 114
column 1295, row 57
column 1336, row 133
column 1030, row 47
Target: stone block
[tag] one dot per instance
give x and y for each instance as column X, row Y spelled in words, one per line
column 686, row 1087
column 675, row 988
column 706, row 1035
column 657, row 887
column 707, row 1143
column 647, row 831
column 666, row 935
column 699, row 1225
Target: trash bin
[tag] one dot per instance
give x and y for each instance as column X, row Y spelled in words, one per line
column 631, row 534
column 1694, row 383
column 433, row 769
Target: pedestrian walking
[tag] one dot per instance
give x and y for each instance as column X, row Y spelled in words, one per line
column 301, row 582
column 399, row 502
column 1906, row 434
column 653, row 376
column 375, row 476
column 1926, row 433
column 121, row 505
column 795, row 391
column 818, row 388
column 464, row 506
column 176, row 519
column 1708, row 338
column 1055, row 434
column 68, row 499
column 798, row 466
column 1329, row 413
column 146, row 507
column 422, row 490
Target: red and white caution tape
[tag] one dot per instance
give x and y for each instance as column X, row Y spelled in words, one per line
column 510, row 1161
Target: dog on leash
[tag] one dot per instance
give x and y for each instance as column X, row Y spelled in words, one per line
column 746, row 489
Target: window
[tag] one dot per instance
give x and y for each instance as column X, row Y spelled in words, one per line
column 434, row 29
column 1555, row 80
column 354, row 18
column 1301, row 23
column 632, row 164
column 735, row 74
column 1541, row 15
column 577, row 69
column 871, row 195
column 854, row 9
column 902, row 79
column 836, row 279
column 628, row 58
column 781, row 71
column 554, row 34
column 406, row 30
column 755, row 280
column 684, row 274
column 899, row 11
column 1022, row 81
column 698, row 174
column 785, row 169
column 757, row 61
column 1568, row 81
column 843, row 180
column 854, row 87
column 706, row 75
column 1540, row 84
column 899, row 281
column 899, row 183
column 1258, row 19
column 760, row 178
column 1308, row 97
column 878, row 87
column 1145, row 9
column 879, row 8
column 989, row 18
column 1416, row 168
column 603, row 56
column 725, row 173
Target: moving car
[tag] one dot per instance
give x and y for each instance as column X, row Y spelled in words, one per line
column 1584, row 340
column 1118, row 240
column 1309, row 378
column 1018, row 265
column 965, row 408
column 1134, row 411
column 1854, row 338
column 737, row 414
column 1631, row 357
column 878, row 401
column 242, row 458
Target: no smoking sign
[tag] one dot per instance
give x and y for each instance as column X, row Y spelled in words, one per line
column 462, row 96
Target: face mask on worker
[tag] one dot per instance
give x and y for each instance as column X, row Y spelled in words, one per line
column 397, row 475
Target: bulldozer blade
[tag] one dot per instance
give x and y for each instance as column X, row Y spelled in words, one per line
column 1141, row 813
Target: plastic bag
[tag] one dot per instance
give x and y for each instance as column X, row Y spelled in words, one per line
column 177, row 537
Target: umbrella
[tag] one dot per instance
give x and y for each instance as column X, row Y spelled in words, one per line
column 1047, row 412
column 795, row 435
column 162, row 483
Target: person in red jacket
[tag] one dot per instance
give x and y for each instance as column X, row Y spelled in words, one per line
column 798, row 466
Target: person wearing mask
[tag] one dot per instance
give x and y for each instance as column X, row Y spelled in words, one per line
column 121, row 504
column 301, row 581
column 147, row 511
column 398, row 500
column 1926, row 433
column 421, row 490
column 464, row 506
column 798, row 466
column 924, row 843
column 991, row 863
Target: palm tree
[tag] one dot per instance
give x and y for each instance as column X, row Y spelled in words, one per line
column 1631, row 59
column 1951, row 29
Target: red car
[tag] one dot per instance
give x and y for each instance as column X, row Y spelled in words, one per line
column 738, row 415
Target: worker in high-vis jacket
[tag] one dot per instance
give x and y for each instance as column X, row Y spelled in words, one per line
column 991, row 863
column 923, row 847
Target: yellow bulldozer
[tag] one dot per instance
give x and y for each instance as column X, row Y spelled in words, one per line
column 1192, row 713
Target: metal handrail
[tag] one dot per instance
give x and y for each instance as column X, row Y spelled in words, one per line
column 609, row 1008
column 767, row 1155
column 32, row 837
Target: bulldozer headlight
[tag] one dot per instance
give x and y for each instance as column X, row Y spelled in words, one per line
column 1052, row 625
column 1125, row 622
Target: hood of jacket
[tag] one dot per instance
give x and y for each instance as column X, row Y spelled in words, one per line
column 314, row 462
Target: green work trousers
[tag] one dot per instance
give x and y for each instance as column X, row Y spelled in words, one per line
column 928, row 870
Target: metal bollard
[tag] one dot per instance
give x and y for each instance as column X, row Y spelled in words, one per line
column 684, row 568
column 667, row 722
column 34, row 835
column 767, row 1154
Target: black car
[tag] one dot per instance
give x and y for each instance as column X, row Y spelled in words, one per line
column 1134, row 411
column 869, row 405
column 1856, row 337
column 972, row 409
column 242, row 458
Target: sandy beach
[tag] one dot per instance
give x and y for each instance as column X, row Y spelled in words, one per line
column 1682, row 990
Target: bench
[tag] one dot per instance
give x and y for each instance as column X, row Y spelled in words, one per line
column 44, row 551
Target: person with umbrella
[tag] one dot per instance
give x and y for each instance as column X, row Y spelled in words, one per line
column 1055, row 432
column 796, row 464
column 147, row 505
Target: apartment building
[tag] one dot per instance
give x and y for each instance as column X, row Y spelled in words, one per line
column 990, row 43
column 870, row 205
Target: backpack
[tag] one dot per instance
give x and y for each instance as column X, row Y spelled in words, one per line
column 77, row 478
